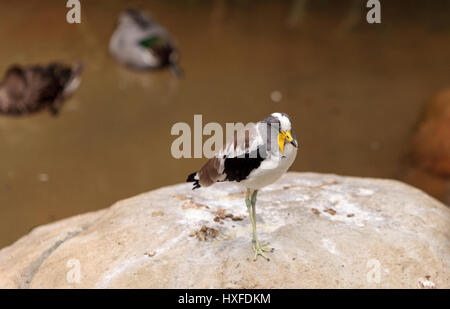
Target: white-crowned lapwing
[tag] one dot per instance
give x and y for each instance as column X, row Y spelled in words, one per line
column 29, row 89
column 257, row 156
column 142, row 43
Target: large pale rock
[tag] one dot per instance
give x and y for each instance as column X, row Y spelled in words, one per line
column 328, row 232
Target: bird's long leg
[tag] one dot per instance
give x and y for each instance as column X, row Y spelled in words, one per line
column 257, row 246
column 248, row 202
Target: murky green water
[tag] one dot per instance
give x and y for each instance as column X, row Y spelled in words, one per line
column 354, row 96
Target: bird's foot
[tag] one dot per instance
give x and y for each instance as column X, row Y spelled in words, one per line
column 260, row 249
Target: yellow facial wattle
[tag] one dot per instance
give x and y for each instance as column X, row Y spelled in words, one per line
column 283, row 137
column 289, row 137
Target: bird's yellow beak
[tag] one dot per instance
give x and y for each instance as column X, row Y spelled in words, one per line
column 289, row 137
column 282, row 137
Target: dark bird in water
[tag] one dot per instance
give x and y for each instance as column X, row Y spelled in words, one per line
column 257, row 156
column 142, row 43
column 26, row 90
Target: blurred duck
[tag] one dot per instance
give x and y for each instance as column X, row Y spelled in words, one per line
column 30, row 89
column 141, row 43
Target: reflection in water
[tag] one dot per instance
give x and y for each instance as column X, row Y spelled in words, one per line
column 354, row 96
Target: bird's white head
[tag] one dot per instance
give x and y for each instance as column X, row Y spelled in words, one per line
column 284, row 120
column 285, row 133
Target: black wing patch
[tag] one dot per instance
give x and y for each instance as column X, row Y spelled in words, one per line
column 191, row 178
column 238, row 169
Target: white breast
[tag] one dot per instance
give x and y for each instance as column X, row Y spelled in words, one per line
column 272, row 168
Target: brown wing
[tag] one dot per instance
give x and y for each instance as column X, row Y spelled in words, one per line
column 242, row 142
column 210, row 172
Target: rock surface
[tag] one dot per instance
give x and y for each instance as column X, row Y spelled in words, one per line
column 328, row 231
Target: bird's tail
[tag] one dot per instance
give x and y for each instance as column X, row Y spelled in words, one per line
column 176, row 70
column 193, row 178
